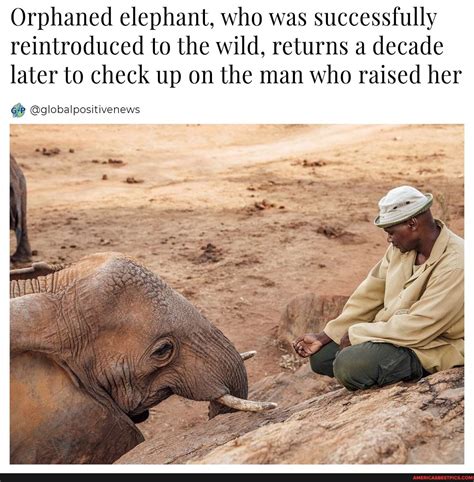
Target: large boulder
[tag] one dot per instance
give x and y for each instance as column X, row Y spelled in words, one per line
column 320, row 422
column 307, row 313
column 418, row 423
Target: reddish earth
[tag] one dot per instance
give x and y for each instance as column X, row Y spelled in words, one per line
column 239, row 219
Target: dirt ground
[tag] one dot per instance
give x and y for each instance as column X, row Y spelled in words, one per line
column 238, row 218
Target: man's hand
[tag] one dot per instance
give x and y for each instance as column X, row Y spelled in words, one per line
column 310, row 343
column 345, row 342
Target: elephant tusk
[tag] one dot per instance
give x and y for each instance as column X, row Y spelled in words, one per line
column 35, row 270
column 28, row 270
column 248, row 354
column 245, row 405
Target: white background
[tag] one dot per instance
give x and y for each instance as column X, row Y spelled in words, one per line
column 216, row 104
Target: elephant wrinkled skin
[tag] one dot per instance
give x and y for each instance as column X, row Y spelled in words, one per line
column 93, row 346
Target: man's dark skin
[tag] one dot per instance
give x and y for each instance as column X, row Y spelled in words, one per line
column 418, row 233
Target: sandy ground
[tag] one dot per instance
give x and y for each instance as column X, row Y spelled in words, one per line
column 239, row 219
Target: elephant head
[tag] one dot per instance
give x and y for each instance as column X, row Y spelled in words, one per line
column 124, row 337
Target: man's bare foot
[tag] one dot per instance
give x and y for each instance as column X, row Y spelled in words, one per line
column 307, row 344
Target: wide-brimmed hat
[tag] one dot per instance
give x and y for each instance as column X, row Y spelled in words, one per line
column 401, row 204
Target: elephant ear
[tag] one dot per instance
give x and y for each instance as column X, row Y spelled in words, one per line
column 32, row 326
column 34, row 306
column 34, row 300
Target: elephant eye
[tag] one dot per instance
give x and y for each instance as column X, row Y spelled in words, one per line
column 164, row 350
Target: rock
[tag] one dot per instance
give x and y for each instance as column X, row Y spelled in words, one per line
column 50, row 152
column 307, row 313
column 397, row 424
column 331, row 232
column 264, row 204
column 132, row 180
column 307, row 163
column 319, row 422
column 210, row 254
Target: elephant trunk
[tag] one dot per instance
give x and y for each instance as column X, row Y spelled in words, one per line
column 218, row 368
column 234, row 383
column 229, row 403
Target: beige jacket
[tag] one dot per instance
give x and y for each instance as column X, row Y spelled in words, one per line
column 422, row 311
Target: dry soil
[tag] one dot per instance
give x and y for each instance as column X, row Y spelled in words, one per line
column 238, row 218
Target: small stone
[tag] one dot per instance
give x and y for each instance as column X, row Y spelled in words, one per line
column 50, row 152
column 307, row 163
column 132, row 180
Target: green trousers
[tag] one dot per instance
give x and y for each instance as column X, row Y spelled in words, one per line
column 367, row 364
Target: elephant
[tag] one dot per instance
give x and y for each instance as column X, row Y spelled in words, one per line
column 97, row 343
column 18, row 213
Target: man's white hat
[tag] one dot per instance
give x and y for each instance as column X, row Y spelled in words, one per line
column 401, row 204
